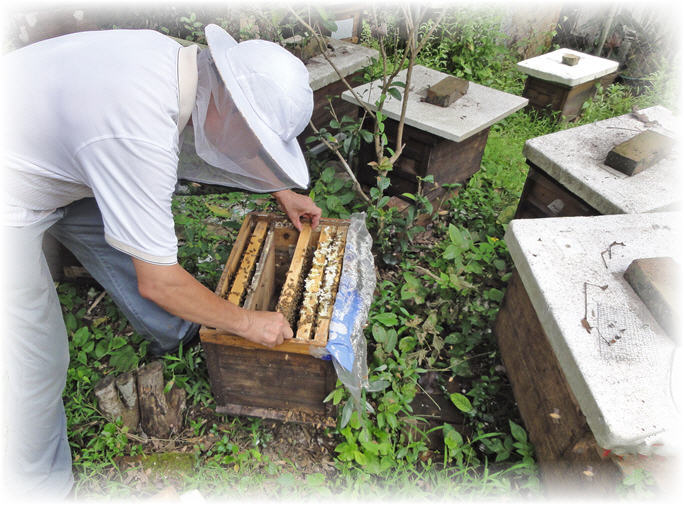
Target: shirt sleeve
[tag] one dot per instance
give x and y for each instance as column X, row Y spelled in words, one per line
column 133, row 183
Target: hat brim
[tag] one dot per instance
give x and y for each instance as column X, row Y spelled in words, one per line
column 287, row 156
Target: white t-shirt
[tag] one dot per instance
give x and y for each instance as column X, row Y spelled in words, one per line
column 95, row 114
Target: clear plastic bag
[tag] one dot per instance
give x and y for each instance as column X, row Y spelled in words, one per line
column 346, row 342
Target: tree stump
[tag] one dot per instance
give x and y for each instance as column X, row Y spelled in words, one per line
column 161, row 414
column 118, row 397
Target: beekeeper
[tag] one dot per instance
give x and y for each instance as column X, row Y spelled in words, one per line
column 91, row 139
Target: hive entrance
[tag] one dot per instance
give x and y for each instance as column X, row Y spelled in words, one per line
column 274, row 267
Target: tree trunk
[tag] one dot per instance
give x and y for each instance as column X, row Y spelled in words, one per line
column 161, row 414
column 107, row 392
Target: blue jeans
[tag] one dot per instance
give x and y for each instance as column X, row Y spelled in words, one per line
column 35, row 454
column 81, row 230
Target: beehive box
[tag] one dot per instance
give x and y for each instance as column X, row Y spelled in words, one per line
column 272, row 266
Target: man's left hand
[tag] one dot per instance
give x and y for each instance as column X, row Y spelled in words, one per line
column 297, row 206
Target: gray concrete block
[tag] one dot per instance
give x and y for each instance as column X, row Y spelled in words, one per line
column 478, row 109
column 575, row 158
column 550, row 67
column 657, row 282
column 347, row 57
column 616, row 357
column 640, row 152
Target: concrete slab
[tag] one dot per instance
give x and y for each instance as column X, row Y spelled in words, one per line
column 575, row 158
column 478, row 109
column 550, row 67
column 347, row 57
column 615, row 356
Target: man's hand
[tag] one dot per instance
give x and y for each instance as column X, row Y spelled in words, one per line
column 266, row 328
column 297, row 206
column 176, row 291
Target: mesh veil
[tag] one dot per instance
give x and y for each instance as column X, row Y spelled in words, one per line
column 227, row 152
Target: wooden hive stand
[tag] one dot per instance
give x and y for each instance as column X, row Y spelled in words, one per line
column 445, row 142
column 272, row 266
column 562, row 80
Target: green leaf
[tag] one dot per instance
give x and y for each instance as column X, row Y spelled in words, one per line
column 354, row 420
column 70, row 322
column 345, row 198
column 373, row 447
column 378, row 385
column 452, row 438
column 88, row 346
column 346, row 145
column 391, row 420
column 219, row 211
column 454, row 234
column 494, row 294
column 413, row 289
column 346, row 413
column 117, row 342
column 407, row 344
column 360, row 458
column 451, row 252
column 328, row 174
column 462, row 403
column 394, row 92
column 383, row 182
column 124, row 359
column 332, row 202
column 81, row 336
column 366, row 136
column 518, row 432
column 391, row 342
column 169, row 385
column 387, row 318
column 336, row 185
column 379, row 333
column 101, row 349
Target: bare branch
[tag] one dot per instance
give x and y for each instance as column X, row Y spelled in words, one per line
column 323, row 47
column 346, row 166
column 427, row 36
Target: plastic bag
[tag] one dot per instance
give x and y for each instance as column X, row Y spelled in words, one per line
column 346, row 342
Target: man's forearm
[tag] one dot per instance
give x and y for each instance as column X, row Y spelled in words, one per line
column 179, row 293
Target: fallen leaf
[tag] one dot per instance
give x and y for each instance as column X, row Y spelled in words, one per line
column 586, row 325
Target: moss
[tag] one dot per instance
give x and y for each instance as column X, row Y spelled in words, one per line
column 169, row 463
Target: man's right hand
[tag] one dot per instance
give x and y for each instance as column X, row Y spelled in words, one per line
column 175, row 290
column 266, row 328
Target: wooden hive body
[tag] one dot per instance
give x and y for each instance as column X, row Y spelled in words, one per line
column 272, row 266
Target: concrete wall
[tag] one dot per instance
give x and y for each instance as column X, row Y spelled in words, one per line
column 530, row 26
